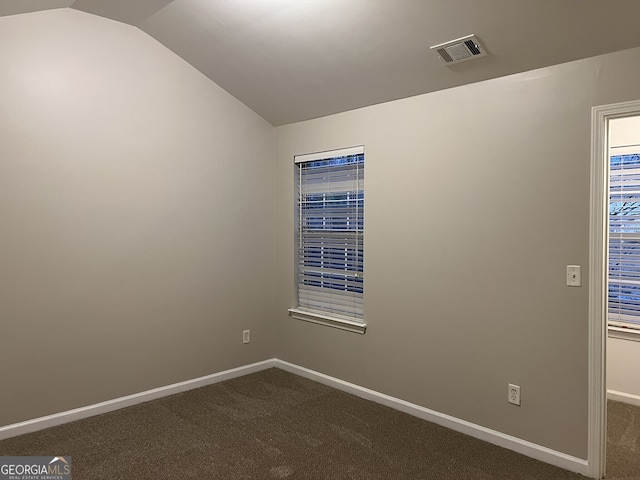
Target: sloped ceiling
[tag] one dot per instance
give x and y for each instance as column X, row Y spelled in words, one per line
column 292, row 60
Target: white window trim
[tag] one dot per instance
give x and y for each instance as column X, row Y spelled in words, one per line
column 623, row 331
column 624, row 334
column 322, row 318
column 343, row 152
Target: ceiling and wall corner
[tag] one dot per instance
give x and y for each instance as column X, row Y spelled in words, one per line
column 15, row 7
column 132, row 12
column 291, row 61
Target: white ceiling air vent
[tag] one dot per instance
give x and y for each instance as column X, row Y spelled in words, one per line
column 460, row 50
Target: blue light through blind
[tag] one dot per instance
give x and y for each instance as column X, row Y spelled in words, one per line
column 624, row 240
column 330, row 234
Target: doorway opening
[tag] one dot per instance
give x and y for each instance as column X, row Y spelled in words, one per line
column 614, row 294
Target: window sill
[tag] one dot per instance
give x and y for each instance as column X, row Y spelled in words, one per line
column 624, row 333
column 329, row 321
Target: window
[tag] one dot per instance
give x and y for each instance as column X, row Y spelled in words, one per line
column 330, row 238
column 624, row 241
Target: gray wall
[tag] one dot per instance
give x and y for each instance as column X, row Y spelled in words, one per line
column 476, row 200
column 139, row 232
column 136, row 213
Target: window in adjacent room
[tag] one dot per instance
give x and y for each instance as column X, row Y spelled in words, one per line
column 330, row 238
column 624, row 227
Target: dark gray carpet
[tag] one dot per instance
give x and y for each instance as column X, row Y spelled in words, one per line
column 623, row 441
column 276, row 425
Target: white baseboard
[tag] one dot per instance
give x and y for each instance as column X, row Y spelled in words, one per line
column 524, row 447
column 41, row 423
column 623, row 397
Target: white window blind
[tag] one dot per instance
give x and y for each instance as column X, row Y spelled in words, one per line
column 624, row 239
column 330, row 233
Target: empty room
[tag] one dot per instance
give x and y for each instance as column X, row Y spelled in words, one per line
column 364, row 239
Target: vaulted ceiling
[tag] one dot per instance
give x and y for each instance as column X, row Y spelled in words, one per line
column 292, row 60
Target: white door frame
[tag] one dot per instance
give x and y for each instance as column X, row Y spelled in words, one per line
column 598, row 252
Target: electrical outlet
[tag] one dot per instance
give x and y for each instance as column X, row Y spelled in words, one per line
column 246, row 336
column 513, row 392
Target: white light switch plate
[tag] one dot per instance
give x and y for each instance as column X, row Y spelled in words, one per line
column 574, row 277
